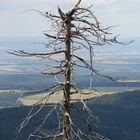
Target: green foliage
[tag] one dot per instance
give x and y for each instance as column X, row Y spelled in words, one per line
column 119, row 115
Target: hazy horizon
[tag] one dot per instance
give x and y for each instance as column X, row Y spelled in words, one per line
column 111, row 60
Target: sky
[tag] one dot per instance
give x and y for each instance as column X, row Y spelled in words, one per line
column 17, row 19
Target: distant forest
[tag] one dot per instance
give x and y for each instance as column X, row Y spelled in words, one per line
column 37, row 81
column 118, row 113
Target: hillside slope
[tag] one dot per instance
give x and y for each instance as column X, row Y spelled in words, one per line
column 119, row 115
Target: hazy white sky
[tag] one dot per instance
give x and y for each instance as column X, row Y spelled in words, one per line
column 16, row 20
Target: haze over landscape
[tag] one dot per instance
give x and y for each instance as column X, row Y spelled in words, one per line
column 117, row 104
column 22, row 28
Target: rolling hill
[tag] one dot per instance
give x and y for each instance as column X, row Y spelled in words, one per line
column 118, row 113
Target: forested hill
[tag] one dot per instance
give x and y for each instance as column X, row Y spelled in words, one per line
column 119, row 115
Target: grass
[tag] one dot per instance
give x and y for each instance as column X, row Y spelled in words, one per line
column 58, row 97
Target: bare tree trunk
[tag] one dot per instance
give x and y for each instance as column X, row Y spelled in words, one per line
column 67, row 77
column 80, row 27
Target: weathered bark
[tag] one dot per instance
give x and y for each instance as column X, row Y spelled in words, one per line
column 67, row 77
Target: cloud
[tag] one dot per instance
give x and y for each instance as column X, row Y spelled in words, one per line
column 110, row 12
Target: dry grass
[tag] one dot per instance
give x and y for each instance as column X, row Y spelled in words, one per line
column 58, row 97
column 88, row 94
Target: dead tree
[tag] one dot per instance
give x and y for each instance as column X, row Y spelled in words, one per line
column 71, row 31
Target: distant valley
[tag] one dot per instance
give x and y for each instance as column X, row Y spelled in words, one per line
column 118, row 113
